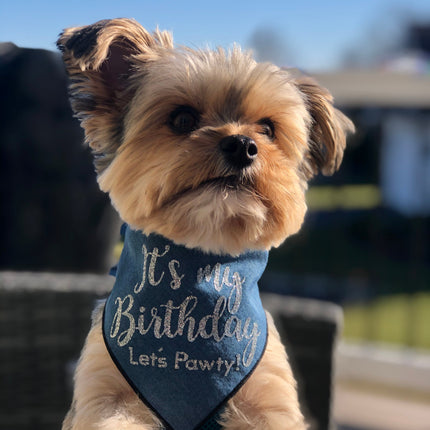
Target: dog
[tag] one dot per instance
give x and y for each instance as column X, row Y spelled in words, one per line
column 206, row 155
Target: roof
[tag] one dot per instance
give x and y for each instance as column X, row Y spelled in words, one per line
column 377, row 88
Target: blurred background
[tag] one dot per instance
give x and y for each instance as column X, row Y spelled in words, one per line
column 365, row 244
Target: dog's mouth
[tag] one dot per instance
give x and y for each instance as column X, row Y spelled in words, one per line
column 231, row 182
column 222, row 183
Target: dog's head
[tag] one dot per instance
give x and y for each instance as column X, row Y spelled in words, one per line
column 208, row 148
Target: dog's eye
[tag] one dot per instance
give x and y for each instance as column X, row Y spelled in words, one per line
column 184, row 120
column 267, row 128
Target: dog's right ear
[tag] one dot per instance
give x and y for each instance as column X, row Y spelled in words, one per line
column 100, row 60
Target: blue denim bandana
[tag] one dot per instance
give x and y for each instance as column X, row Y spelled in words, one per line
column 185, row 328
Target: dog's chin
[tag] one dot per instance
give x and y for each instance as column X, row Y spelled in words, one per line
column 221, row 215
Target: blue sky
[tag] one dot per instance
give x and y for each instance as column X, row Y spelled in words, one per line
column 316, row 34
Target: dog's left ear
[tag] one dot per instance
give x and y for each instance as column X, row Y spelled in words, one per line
column 101, row 60
column 328, row 129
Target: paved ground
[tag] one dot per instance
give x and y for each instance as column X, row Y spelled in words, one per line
column 381, row 387
column 360, row 409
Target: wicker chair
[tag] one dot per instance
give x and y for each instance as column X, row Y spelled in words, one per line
column 44, row 318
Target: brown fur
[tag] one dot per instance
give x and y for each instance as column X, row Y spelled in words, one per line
column 125, row 85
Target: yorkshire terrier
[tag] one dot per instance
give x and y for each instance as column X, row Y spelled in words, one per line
column 206, row 155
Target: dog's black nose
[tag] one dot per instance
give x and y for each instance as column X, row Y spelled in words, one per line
column 240, row 151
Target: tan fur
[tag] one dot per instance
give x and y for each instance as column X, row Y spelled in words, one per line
column 150, row 151
column 104, row 400
column 125, row 84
